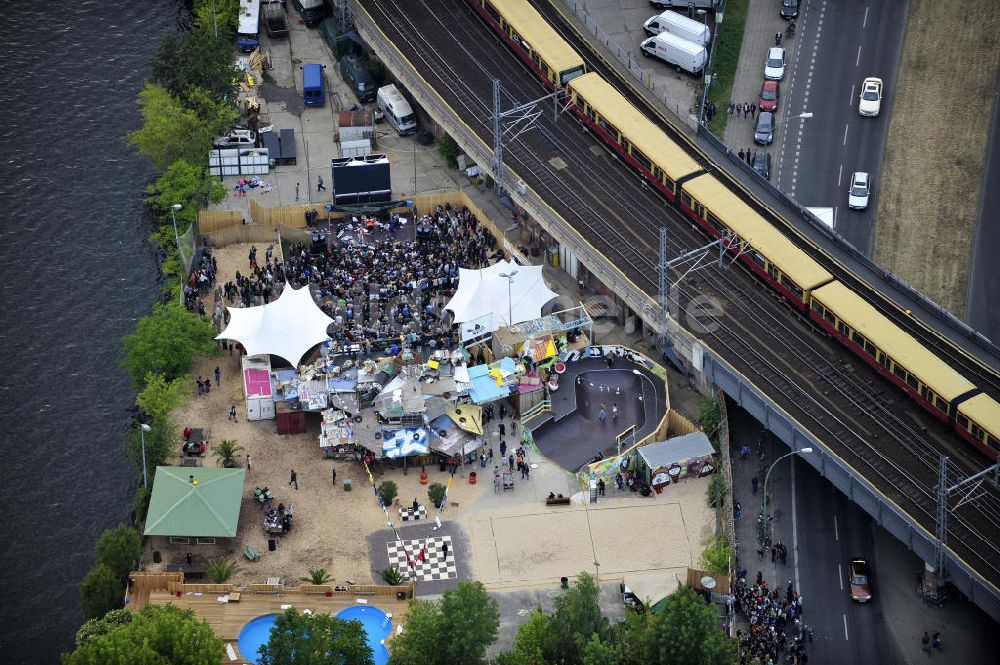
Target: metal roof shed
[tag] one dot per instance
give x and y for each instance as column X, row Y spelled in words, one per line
column 195, row 502
column 663, row 454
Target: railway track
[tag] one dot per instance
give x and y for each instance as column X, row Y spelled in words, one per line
column 987, row 378
column 819, row 383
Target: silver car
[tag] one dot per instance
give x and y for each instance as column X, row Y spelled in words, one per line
column 774, row 66
column 763, row 131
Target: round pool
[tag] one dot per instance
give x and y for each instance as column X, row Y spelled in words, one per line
column 376, row 623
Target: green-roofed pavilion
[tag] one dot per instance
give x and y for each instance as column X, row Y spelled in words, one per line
column 195, row 502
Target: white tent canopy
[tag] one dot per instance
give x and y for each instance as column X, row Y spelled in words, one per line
column 482, row 295
column 287, row 327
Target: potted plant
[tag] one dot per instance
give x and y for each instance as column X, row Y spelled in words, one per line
column 317, row 576
column 220, row 570
column 226, row 453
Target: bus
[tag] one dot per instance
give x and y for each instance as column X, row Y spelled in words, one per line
column 248, row 32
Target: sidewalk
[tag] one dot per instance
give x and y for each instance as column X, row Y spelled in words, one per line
column 763, row 21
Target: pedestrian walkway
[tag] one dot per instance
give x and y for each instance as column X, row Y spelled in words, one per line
column 763, row 21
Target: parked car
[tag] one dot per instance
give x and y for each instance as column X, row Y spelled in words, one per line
column 860, row 580
column 870, row 102
column 789, row 8
column 774, row 66
column 763, row 131
column 770, row 91
column 762, row 164
column 237, row 138
column 857, row 195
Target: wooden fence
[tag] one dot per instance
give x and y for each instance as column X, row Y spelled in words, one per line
column 141, row 584
column 679, row 424
column 213, row 220
column 244, row 233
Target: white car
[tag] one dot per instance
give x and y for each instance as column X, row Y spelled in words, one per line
column 871, row 97
column 237, row 138
column 774, row 66
column 857, row 195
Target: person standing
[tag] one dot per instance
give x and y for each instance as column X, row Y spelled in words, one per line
column 294, row 480
column 936, row 641
column 925, row 643
column 249, row 462
column 232, row 413
column 296, row 192
column 218, row 376
column 319, row 184
column 201, row 384
column 503, row 447
column 753, row 109
column 510, row 462
column 503, row 429
column 614, row 412
column 208, row 385
column 496, row 480
column 742, row 156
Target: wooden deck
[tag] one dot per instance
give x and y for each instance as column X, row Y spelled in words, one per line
column 228, row 619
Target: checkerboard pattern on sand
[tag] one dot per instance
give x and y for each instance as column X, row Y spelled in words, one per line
column 435, row 566
column 407, row 514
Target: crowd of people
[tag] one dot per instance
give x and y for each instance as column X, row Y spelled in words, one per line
column 776, row 632
column 383, row 294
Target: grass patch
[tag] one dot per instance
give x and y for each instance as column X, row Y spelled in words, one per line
column 727, row 57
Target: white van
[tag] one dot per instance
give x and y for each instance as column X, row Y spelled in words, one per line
column 676, row 24
column 675, row 51
column 396, row 109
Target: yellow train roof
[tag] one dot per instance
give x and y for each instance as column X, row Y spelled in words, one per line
column 539, row 35
column 640, row 130
column 750, row 226
column 985, row 411
column 853, row 310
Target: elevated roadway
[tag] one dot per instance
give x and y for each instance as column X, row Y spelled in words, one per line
column 611, row 220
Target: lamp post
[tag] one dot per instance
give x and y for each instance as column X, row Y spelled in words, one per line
column 509, row 276
column 767, row 476
column 805, row 115
column 143, row 428
column 174, row 208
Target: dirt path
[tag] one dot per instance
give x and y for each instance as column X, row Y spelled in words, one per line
column 933, row 168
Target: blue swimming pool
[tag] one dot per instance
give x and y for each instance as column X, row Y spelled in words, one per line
column 377, row 626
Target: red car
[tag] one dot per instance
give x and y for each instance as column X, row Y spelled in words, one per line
column 770, row 91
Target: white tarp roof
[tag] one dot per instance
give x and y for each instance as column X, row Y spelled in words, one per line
column 483, row 295
column 287, row 327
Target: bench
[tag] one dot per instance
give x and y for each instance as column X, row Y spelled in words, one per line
column 194, row 570
column 557, row 501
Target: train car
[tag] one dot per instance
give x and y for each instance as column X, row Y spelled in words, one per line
column 770, row 254
column 978, row 420
column 533, row 39
column 891, row 350
column 633, row 136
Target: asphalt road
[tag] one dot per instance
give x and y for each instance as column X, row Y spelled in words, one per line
column 840, row 43
column 983, row 309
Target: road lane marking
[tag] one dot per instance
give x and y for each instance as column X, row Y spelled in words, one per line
column 845, row 628
column 836, row 531
column 845, row 134
column 795, row 531
column 850, row 100
column 840, row 174
column 840, row 576
column 857, row 60
column 864, row 24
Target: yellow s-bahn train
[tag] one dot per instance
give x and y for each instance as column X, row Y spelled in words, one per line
column 802, row 282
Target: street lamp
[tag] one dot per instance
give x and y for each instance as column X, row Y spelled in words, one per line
column 767, row 476
column 175, row 207
column 805, row 115
column 509, row 276
column 143, row 428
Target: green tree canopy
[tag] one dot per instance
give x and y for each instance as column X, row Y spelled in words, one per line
column 164, row 342
column 457, row 629
column 170, row 131
column 221, row 14
column 119, row 549
column 577, row 616
column 317, row 639
column 187, row 184
column 101, row 590
column 686, row 633
column 197, row 60
column 161, row 396
column 718, row 556
column 160, row 634
column 94, row 627
column 161, row 442
column 530, row 641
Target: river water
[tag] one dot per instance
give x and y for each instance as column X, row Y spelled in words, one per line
column 75, row 274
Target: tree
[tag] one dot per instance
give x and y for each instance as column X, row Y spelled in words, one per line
column 317, row 576
column 457, row 629
column 448, row 149
column 161, row 440
column 718, row 556
column 708, row 414
column 686, row 633
column 94, row 627
column 436, row 493
column 577, row 616
column 530, row 641
column 598, row 652
column 317, row 639
column 170, row 131
column 161, row 396
column 119, row 549
column 189, row 185
column 388, row 491
column 716, row 493
column 101, row 590
column 217, row 14
column 165, row 341
column 226, row 452
column 220, row 570
column 196, row 61
column 158, row 634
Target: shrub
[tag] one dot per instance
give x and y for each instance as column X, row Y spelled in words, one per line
column 393, row 576
column 220, row 570
column 388, row 491
column 449, row 150
column 717, row 556
column 436, row 494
